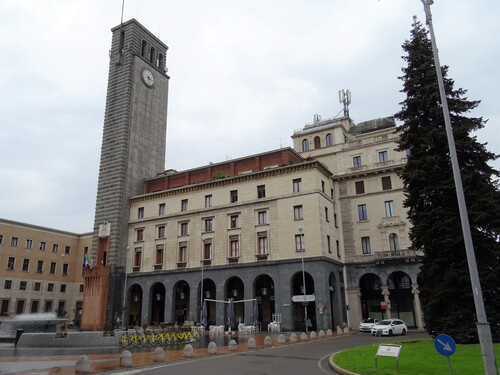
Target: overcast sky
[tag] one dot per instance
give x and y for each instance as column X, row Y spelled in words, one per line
column 244, row 75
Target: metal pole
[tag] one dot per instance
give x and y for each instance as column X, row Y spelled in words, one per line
column 125, row 289
column 483, row 326
column 201, row 293
column 302, row 249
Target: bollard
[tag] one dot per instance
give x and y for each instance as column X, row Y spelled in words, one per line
column 281, row 339
column 188, row 351
column 212, row 348
column 303, row 336
column 329, row 332
column 251, row 343
column 293, row 337
column 158, row 355
column 339, row 330
column 268, row 341
column 82, row 365
column 321, row 333
column 312, row 335
column 126, row 359
column 232, row 346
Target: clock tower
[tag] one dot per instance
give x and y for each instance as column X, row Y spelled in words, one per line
column 133, row 149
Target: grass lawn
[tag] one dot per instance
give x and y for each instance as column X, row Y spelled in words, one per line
column 417, row 357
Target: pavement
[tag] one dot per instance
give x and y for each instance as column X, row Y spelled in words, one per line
column 62, row 361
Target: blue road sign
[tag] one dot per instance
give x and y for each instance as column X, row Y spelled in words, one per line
column 445, row 345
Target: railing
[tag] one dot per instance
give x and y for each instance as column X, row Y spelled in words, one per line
column 262, row 256
column 393, row 254
column 233, row 259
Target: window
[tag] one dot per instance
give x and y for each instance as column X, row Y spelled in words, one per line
column 233, row 196
column 7, row 284
column 360, row 187
column 4, row 310
column 137, row 257
column 322, row 186
column 26, row 265
column 362, row 213
column 65, row 268
column 386, row 183
column 14, row 241
column 329, row 139
column 1, row 239
column 299, row 242
column 39, row 266
column 144, row 47
column 159, row 254
column 34, row 307
column 262, row 217
column 50, row 287
column 81, row 288
column 261, row 191
column 184, row 205
column 207, row 251
column 140, row 213
column 234, row 221
column 52, row 267
column 335, row 220
column 28, row 244
column 382, row 156
column 11, row 263
column 67, row 249
column 160, row 60
column 262, row 244
column 63, row 288
column 393, row 242
column 139, row 234
column 182, row 253
column 152, row 54
column 365, row 245
column 208, row 201
column 338, row 247
column 327, row 217
column 161, row 209
column 20, row 307
column 184, row 229
column 234, row 247
column 207, row 225
column 297, row 185
column 389, row 208
column 161, row 231
column 328, row 243
column 48, row 306
column 42, row 246
column 305, row 145
column 317, row 142
column 297, row 213
column 37, row 286
column 55, row 248
column 356, row 161
column 86, row 250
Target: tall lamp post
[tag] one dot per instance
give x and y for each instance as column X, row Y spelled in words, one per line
column 483, row 327
column 125, row 288
column 302, row 249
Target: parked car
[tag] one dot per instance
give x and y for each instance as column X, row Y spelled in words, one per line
column 71, row 324
column 367, row 324
column 389, row 327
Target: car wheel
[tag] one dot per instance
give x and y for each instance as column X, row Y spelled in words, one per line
column 404, row 332
column 390, row 332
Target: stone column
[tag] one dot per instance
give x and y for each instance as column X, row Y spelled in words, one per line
column 417, row 307
column 386, row 293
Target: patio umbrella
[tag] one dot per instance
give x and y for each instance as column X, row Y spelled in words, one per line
column 230, row 313
column 255, row 313
column 204, row 314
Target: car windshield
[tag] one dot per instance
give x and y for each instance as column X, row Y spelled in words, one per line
column 384, row 323
column 368, row 320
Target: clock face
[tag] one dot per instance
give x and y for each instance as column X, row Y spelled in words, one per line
column 148, row 78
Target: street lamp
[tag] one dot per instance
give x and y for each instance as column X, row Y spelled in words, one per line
column 302, row 249
column 125, row 288
column 483, row 327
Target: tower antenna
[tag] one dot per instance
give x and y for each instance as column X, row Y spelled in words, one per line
column 123, row 6
column 345, row 97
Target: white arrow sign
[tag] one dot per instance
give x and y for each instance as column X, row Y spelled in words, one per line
column 300, row 298
column 446, row 346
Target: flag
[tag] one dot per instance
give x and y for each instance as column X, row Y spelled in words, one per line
column 86, row 262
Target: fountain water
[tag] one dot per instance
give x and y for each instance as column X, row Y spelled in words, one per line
column 40, row 322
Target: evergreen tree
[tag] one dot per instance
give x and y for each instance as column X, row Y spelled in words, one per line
column 430, row 197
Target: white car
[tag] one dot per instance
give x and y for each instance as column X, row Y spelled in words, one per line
column 367, row 324
column 389, row 327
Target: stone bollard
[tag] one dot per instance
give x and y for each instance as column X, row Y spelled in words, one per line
column 312, row 335
column 281, row 339
column 303, row 336
column 126, row 359
column 83, row 365
column 346, row 330
column 268, row 341
column 339, row 330
column 321, row 333
column 329, row 332
column 293, row 337
column 188, row 351
column 251, row 343
column 158, row 355
column 212, row 348
column 232, row 346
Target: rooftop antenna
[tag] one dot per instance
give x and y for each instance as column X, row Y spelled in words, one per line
column 123, row 6
column 345, row 97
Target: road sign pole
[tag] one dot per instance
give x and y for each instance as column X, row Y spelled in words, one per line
column 449, row 365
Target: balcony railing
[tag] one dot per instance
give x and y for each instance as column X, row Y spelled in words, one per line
column 181, row 264
column 233, row 259
column 394, row 254
column 262, row 256
column 158, row 267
